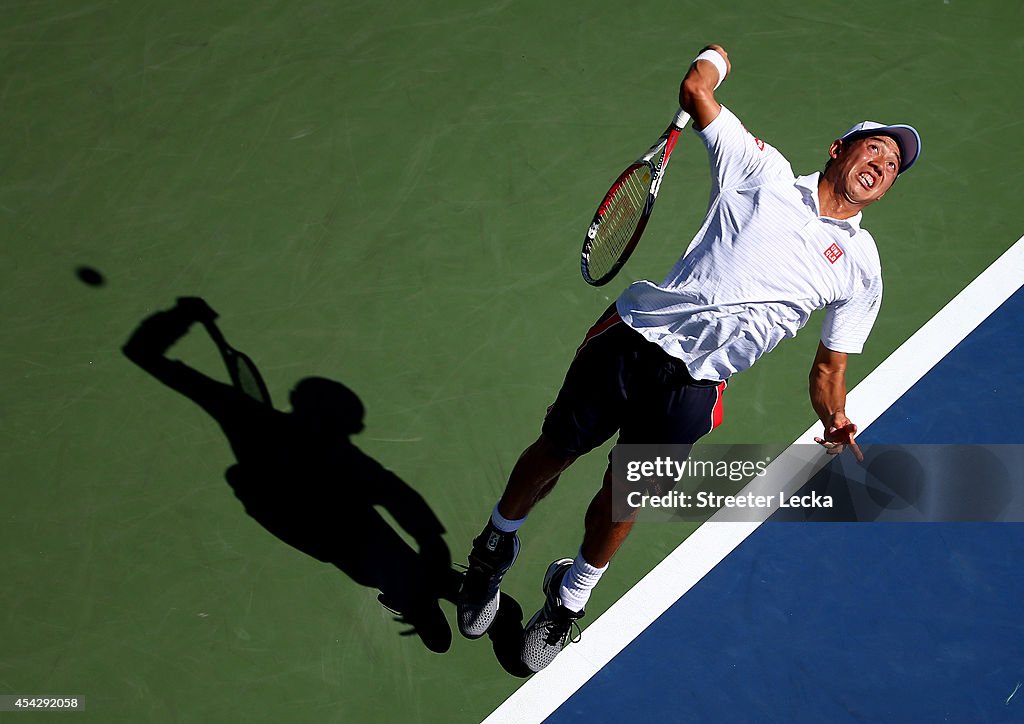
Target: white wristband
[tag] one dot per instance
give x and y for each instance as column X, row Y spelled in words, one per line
column 716, row 59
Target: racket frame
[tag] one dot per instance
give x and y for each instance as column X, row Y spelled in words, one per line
column 234, row 360
column 667, row 143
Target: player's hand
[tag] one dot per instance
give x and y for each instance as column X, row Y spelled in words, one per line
column 197, row 309
column 838, row 435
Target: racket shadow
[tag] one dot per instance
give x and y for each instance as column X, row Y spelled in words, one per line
column 299, row 475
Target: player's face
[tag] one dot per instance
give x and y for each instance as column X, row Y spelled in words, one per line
column 865, row 168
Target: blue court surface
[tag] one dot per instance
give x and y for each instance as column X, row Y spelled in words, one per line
column 854, row 622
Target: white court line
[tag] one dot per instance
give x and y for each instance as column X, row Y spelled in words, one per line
column 712, row 542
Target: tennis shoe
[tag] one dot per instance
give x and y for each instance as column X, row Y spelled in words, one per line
column 552, row 627
column 493, row 554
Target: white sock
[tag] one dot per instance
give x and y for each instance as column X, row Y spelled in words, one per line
column 578, row 582
column 504, row 524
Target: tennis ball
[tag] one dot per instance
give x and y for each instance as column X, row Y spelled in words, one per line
column 88, row 275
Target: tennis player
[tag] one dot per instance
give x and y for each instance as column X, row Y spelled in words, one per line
column 773, row 248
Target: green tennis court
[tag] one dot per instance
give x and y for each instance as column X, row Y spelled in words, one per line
column 391, row 197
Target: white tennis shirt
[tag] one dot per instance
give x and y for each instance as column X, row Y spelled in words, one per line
column 762, row 262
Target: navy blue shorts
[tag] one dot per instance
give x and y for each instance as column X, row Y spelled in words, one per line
column 619, row 381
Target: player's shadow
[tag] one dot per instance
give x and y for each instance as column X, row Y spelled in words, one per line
column 300, row 476
column 506, row 635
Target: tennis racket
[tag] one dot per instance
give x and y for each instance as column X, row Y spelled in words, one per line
column 242, row 370
column 621, row 218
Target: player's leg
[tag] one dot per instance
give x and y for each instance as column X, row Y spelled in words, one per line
column 665, row 405
column 496, row 548
column 603, row 534
column 533, row 477
column 585, row 414
column 568, row 582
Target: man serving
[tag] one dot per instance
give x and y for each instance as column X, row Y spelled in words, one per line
column 773, row 248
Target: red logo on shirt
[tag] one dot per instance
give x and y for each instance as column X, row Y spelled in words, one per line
column 833, row 253
column 757, row 141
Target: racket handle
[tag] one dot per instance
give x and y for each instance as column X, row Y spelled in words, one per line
column 680, row 119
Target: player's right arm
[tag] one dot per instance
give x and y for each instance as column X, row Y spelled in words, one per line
column 697, row 91
column 149, row 343
column 735, row 155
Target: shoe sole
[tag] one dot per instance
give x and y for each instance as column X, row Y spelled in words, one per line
column 474, row 637
column 497, row 604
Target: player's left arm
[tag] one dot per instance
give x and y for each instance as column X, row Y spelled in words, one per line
column 827, row 387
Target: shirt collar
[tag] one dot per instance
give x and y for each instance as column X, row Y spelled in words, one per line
column 808, row 187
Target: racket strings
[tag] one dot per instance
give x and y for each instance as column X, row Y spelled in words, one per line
column 623, row 211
